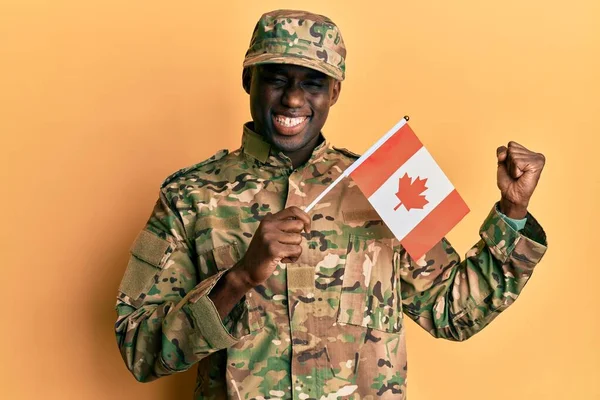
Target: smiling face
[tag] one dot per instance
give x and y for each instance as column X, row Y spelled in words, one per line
column 289, row 106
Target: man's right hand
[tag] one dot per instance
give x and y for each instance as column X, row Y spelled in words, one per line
column 276, row 240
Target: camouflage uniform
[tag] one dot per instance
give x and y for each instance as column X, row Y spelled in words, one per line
column 330, row 325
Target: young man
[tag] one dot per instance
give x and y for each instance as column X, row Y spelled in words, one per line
column 271, row 302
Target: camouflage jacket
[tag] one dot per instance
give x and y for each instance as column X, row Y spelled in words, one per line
column 329, row 326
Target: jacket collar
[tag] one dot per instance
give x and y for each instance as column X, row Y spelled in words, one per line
column 255, row 146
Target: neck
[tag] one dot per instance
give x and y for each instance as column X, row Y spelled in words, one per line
column 302, row 155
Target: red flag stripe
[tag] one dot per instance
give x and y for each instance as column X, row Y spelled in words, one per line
column 435, row 225
column 386, row 160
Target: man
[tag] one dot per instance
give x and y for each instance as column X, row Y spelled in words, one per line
column 271, row 302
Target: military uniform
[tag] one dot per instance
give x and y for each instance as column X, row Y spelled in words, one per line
column 328, row 326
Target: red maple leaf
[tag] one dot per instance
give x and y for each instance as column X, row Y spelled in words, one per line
column 409, row 192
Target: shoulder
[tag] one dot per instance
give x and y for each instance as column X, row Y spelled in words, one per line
column 347, row 153
column 195, row 168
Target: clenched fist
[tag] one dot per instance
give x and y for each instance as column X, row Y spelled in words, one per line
column 519, row 171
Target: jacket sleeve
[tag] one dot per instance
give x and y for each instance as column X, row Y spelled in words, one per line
column 165, row 319
column 454, row 299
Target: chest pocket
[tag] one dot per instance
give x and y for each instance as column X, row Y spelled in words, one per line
column 218, row 259
column 217, row 244
column 370, row 295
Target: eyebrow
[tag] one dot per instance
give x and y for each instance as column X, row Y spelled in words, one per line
column 316, row 75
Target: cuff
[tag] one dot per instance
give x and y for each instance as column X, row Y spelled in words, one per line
column 220, row 334
column 502, row 238
column 208, row 322
column 206, row 317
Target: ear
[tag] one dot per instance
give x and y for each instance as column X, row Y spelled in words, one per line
column 247, row 78
column 337, row 88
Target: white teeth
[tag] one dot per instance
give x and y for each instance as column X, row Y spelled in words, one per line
column 289, row 122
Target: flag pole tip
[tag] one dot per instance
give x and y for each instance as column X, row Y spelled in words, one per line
column 406, row 117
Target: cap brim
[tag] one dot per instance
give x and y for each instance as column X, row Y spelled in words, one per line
column 295, row 59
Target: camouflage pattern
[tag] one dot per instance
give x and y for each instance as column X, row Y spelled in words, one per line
column 300, row 38
column 331, row 325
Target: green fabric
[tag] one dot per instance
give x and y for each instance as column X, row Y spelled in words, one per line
column 150, row 248
column 210, row 325
column 254, row 145
column 138, row 278
column 516, row 224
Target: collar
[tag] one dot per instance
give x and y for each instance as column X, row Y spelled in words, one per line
column 255, row 146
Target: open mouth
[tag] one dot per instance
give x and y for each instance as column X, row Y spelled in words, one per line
column 289, row 126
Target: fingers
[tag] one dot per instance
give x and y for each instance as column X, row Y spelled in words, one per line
column 501, row 153
column 294, row 212
column 515, row 153
column 512, row 147
column 289, row 238
column 279, row 236
column 283, row 252
column 291, row 225
column 516, row 146
column 515, row 168
column 519, row 160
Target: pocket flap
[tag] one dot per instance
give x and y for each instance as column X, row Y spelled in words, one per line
column 226, row 256
column 361, row 215
column 214, row 222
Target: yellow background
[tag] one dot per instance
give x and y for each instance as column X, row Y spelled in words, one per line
column 101, row 100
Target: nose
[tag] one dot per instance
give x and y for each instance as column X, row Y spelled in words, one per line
column 293, row 96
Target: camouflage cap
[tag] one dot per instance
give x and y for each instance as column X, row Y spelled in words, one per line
column 300, row 38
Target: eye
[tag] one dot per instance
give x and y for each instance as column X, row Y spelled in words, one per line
column 313, row 84
column 275, row 80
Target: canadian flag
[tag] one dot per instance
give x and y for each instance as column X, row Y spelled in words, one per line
column 407, row 188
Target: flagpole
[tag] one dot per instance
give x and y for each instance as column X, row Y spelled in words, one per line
column 324, row 192
column 358, row 162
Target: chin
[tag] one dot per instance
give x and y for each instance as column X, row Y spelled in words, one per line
column 288, row 144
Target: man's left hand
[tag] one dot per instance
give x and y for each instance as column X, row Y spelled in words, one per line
column 519, row 171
